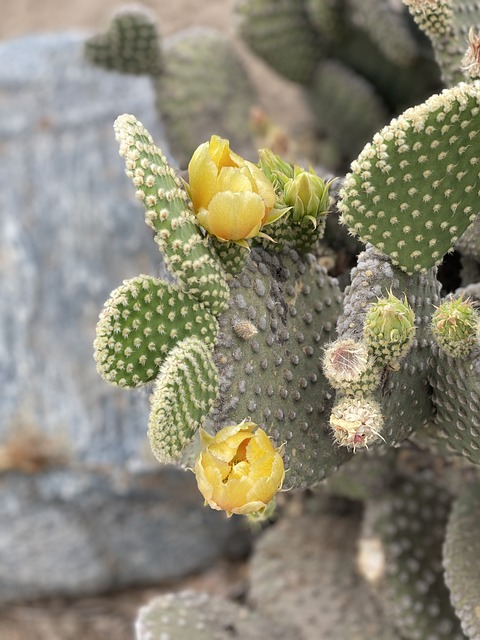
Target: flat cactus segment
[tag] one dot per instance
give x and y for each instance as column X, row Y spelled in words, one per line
column 190, row 615
column 461, row 554
column 204, row 90
column 184, row 393
column 407, row 526
column 280, row 33
column 403, row 394
column 303, row 571
column 413, row 190
column 346, row 106
column 447, row 24
column 178, row 235
column 131, row 44
column 387, row 28
column 140, row 323
column 456, row 396
column 282, row 310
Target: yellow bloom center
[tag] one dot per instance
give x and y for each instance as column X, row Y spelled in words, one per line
column 239, row 471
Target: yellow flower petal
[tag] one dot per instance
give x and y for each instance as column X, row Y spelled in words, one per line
column 233, row 216
column 202, row 177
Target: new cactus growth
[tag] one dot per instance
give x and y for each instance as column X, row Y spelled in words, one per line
column 268, row 377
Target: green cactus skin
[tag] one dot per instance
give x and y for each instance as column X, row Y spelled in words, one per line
column 456, row 327
column 456, row 395
column 190, row 615
column 170, row 215
column 461, row 555
column 274, row 377
column 200, row 83
column 407, row 525
column 139, row 314
column 204, row 90
column 327, row 18
column 263, row 24
column 304, row 572
column 387, row 29
column 131, row 44
column 412, row 191
column 346, row 106
column 389, row 330
column 447, row 23
column 403, row 395
column 184, row 393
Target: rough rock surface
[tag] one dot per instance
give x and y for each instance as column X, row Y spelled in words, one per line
column 70, row 232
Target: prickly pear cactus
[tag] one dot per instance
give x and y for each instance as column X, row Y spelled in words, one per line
column 200, row 84
column 359, row 62
column 222, row 347
column 197, row 616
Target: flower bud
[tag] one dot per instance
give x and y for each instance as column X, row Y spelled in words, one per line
column 307, row 194
column 239, row 470
column 277, row 170
column 389, row 330
column 455, row 326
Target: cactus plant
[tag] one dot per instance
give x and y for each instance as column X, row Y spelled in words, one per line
column 200, row 83
column 358, row 62
column 376, row 388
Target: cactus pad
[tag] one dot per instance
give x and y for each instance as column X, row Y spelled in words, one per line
column 131, row 44
column 184, row 392
column 462, row 559
column 141, row 322
column 413, row 191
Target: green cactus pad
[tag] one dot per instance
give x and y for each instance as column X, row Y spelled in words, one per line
column 407, row 526
column 413, row 191
column 168, row 212
column 204, row 90
column 141, row 322
column 190, row 615
column 447, row 23
column 456, row 395
column 462, row 559
column 303, row 571
column 282, row 310
column 403, row 394
column 184, row 393
column 280, row 33
column 131, row 44
column 346, row 106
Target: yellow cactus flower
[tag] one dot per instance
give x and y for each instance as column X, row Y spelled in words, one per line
column 231, row 197
column 239, row 470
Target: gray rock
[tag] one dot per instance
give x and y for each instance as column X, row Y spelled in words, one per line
column 70, row 232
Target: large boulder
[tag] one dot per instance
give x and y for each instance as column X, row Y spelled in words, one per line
column 83, row 507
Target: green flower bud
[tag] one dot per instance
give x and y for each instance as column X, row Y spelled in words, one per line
column 277, row 170
column 389, row 330
column 455, row 326
column 307, row 194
